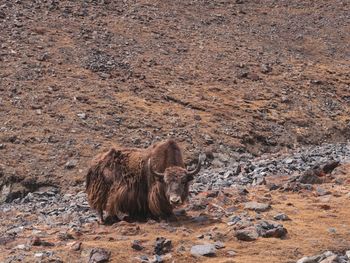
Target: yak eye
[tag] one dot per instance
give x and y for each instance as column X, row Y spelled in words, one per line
column 184, row 180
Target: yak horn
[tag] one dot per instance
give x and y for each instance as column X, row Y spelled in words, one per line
column 152, row 171
column 197, row 169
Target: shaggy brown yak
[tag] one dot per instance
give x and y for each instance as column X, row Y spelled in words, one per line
column 140, row 183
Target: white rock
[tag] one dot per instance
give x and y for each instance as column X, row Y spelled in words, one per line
column 347, row 253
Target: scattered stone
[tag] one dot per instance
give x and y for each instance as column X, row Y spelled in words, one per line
column 271, row 229
column 207, row 250
column 272, row 186
column 161, row 259
column 201, row 219
column 242, row 191
column 231, row 209
column 65, row 236
column 245, row 222
column 311, row 177
column 281, row 217
column 347, row 253
column 6, row 239
column 136, row 244
column 247, row 234
column 21, row 246
column 231, row 253
column 36, row 241
column 212, row 194
column 326, row 257
column 321, row 192
column 313, row 259
column 257, row 207
column 265, row 68
column 162, row 246
column 75, row 246
column 82, row 116
column 197, row 118
column 332, row 230
column 39, row 255
column 71, row 164
column 330, row 166
column 99, row 255
column 330, row 259
column 208, row 139
column 219, row 245
column 181, row 249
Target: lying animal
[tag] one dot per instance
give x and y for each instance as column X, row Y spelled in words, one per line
column 140, row 183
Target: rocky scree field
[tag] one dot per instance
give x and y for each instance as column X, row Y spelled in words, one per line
column 262, row 89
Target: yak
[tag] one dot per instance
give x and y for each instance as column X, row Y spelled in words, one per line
column 139, row 183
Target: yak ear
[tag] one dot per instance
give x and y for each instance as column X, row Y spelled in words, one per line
column 159, row 176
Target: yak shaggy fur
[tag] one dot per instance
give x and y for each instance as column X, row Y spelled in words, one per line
column 120, row 181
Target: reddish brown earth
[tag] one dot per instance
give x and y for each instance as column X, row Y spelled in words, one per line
column 219, row 76
column 309, row 230
column 245, row 75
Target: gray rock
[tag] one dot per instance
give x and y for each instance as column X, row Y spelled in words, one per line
column 332, row 230
column 76, row 246
column 219, row 245
column 136, row 244
column 321, row 192
column 143, row 259
column 310, row 177
column 21, row 247
column 264, row 68
column 257, row 207
column 162, row 246
column 231, row 253
column 99, row 255
column 71, row 164
column 157, row 259
column 330, row 259
column 312, row 259
column 347, row 253
column 207, row 250
column 289, row 160
column 281, row 217
column 82, row 116
column 271, row 229
column 234, row 220
column 260, row 180
column 247, row 234
column 208, row 139
column 39, row 255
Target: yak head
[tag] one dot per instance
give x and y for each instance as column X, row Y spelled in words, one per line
column 175, row 180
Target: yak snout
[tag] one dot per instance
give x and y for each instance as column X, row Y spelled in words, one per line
column 175, row 200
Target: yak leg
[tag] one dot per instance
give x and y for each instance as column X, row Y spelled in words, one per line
column 100, row 213
column 171, row 218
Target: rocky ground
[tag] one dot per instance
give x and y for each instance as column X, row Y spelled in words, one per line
column 275, row 218
column 261, row 89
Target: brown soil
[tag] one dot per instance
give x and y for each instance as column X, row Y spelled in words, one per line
column 241, row 74
column 309, row 231
column 230, row 76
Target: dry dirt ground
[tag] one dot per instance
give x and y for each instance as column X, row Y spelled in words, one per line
column 225, row 76
column 318, row 223
column 219, row 76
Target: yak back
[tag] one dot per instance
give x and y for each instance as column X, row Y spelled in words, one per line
column 165, row 154
column 100, row 177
